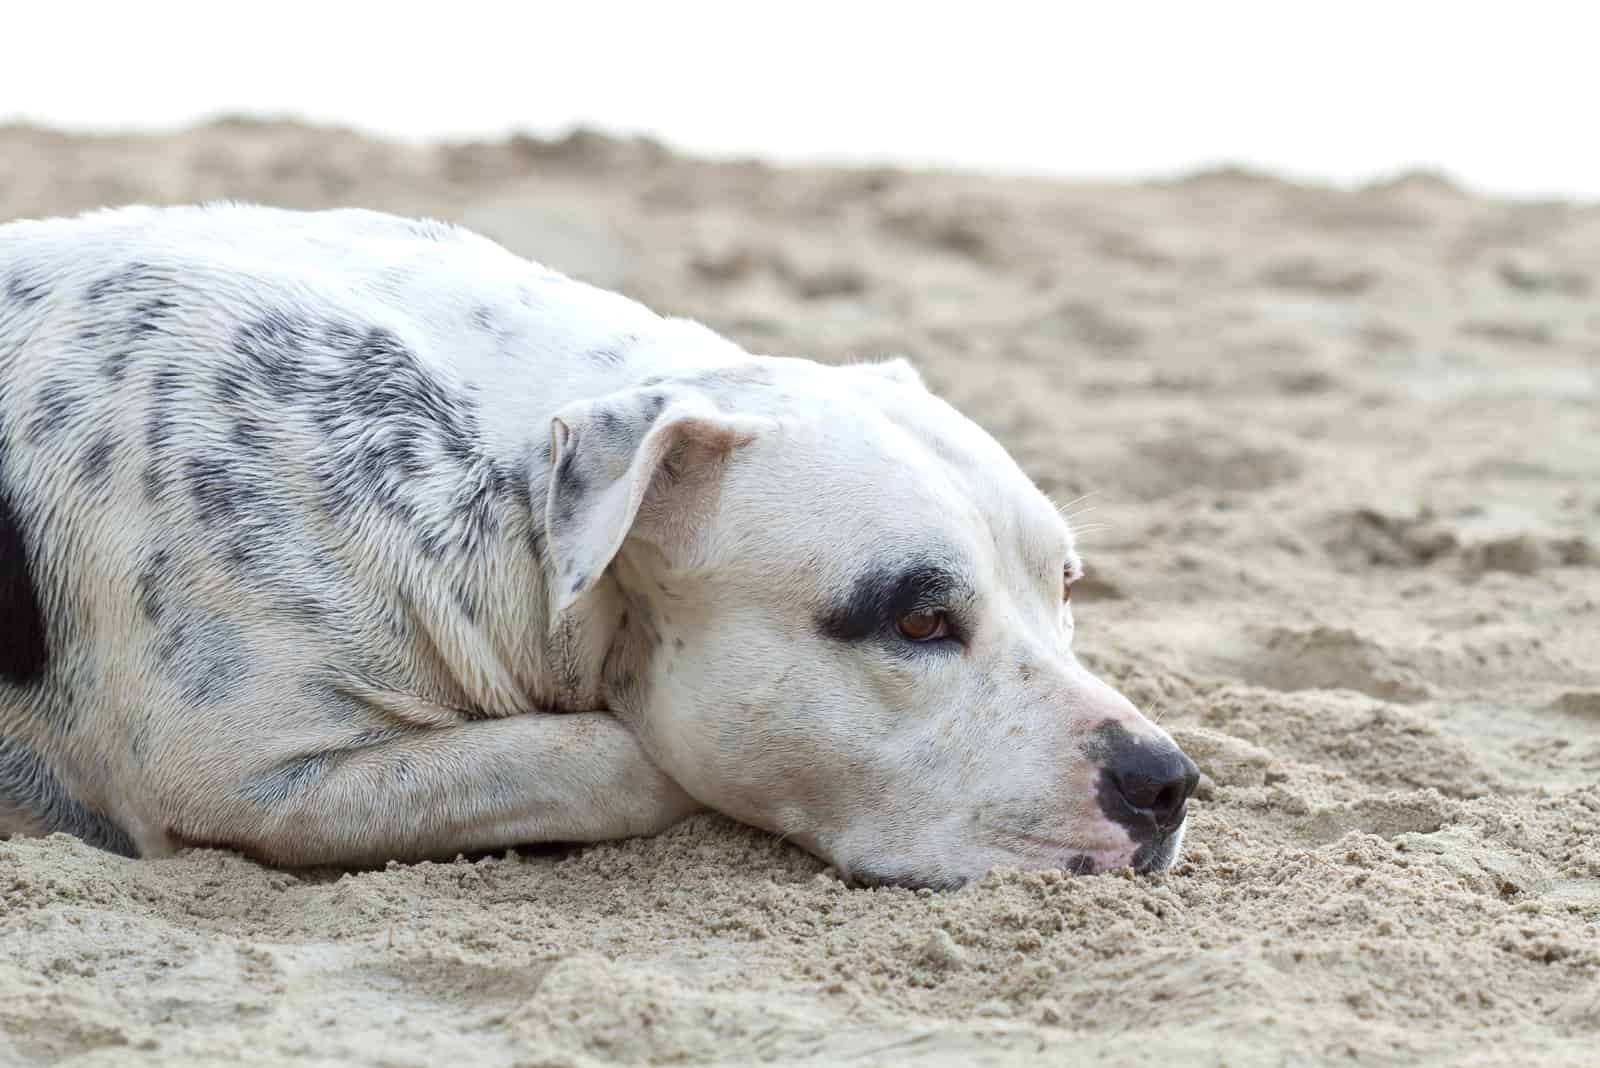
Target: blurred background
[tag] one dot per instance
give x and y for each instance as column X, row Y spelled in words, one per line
column 1499, row 97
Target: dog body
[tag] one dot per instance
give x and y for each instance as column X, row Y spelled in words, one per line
column 340, row 537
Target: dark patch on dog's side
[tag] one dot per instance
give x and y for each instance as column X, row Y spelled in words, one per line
column 383, row 422
column 25, row 288
column 288, row 780
column 302, row 607
column 150, row 587
column 236, row 511
column 250, row 436
column 24, row 639
column 119, row 283
column 613, row 353
column 153, row 482
column 204, row 655
column 653, row 405
column 466, row 599
column 94, row 469
column 29, row 785
column 880, row 595
column 53, row 406
column 166, row 385
column 129, row 307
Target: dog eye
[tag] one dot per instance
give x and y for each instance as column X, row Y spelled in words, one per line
column 1068, row 578
column 926, row 626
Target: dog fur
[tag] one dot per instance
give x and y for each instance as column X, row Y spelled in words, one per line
column 337, row 537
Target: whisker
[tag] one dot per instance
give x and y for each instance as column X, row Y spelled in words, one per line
column 1065, row 510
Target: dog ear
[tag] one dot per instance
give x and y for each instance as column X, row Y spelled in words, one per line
column 611, row 456
column 896, row 369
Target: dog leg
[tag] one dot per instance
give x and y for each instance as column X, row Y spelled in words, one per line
column 431, row 793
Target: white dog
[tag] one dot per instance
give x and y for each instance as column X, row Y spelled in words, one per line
column 336, row 537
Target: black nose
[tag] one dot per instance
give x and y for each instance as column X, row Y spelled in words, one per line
column 1151, row 783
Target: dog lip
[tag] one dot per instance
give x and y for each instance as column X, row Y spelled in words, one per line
column 1074, row 857
column 1155, row 855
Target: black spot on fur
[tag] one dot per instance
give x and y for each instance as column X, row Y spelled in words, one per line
column 250, row 436
column 880, row 595
column 24, row 288
column 128, row 309
column 95, row 466
column 383, row 422
column 288, row 780
column 239, row 513
column 166, row 388
column 153, row 481
column 466, row 599
column 24, row 644
column 653, row 405
column 613, row 354
column 27, row 784
column 205, row 656
column 54, row 405
column 150, row 588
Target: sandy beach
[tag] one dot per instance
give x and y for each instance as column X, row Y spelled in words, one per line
column 1339, row 461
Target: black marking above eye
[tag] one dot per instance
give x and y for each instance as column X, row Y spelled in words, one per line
column 881, row 595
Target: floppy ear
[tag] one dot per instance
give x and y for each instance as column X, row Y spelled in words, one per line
column 606, row 456
column 896, row 369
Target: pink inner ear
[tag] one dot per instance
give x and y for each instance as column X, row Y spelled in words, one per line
column 712, row 435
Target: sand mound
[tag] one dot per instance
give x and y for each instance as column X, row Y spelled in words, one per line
column 1346, row 492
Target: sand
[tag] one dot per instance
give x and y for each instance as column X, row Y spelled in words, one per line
column 1343, row 454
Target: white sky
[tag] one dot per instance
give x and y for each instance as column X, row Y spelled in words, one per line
column 1504, row 96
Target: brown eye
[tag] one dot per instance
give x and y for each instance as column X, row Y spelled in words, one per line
column 1067, row 579
column 923, row 626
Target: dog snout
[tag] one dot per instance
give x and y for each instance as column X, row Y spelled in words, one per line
column 1146, row 785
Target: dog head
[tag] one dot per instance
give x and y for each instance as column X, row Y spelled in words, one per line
column 849, row 623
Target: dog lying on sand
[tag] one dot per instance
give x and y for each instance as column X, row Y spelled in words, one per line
column 337, row 537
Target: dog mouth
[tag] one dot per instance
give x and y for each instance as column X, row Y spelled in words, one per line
column 1149, row 855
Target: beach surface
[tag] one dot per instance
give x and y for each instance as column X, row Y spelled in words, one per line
column 1337, row 459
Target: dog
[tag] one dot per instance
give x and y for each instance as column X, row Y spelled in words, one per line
column 336, row 537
